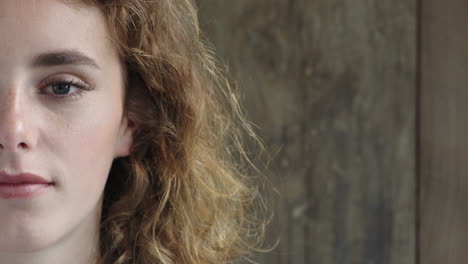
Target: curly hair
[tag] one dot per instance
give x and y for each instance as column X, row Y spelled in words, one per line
column 186, row 193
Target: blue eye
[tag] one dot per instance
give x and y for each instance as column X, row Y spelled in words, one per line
column 62, row 88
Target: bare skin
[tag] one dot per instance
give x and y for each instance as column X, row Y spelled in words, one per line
column 52, row 131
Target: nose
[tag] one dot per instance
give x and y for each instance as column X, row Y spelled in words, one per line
column 15, row 123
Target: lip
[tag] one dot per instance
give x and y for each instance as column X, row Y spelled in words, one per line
column 23, row 185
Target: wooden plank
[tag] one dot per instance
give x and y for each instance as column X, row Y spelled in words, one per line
column 331, row 85
column 444, row 130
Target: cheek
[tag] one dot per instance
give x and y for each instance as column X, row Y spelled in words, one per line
column 86, row 152
column 92, row 149
column 84, row 167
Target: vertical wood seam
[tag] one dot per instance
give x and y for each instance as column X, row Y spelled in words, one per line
column 417, row 140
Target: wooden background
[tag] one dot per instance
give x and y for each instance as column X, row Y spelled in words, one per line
column 363, row 106
column 444, row 132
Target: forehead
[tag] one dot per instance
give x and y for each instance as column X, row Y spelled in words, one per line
column 28, row 27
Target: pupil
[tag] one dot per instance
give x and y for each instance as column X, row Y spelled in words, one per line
column 61, row 88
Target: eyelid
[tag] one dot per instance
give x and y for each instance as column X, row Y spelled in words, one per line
column 65, row 79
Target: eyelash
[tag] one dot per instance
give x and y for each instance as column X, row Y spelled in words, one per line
column 75, row 83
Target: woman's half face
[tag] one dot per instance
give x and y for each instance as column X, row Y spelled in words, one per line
column 61, row 117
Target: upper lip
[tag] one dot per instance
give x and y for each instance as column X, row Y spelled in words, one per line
column 22, row 178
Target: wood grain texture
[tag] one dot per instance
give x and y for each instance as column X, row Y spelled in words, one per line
column 331, row 85
column 444, row 129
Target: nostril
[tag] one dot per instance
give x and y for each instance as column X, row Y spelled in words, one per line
column 21, row 145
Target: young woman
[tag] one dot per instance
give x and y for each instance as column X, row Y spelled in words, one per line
column 120, row 141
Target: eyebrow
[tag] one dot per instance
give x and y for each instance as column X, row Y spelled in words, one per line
column 63, row 57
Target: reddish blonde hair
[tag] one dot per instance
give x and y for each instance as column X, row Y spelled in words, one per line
column 184, row 194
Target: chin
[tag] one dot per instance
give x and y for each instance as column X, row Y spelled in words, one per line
column 24, row 245
column 28, row 240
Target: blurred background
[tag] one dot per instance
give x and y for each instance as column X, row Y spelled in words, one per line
column 363, row 106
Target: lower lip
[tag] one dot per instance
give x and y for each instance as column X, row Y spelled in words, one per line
column 28, row 190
